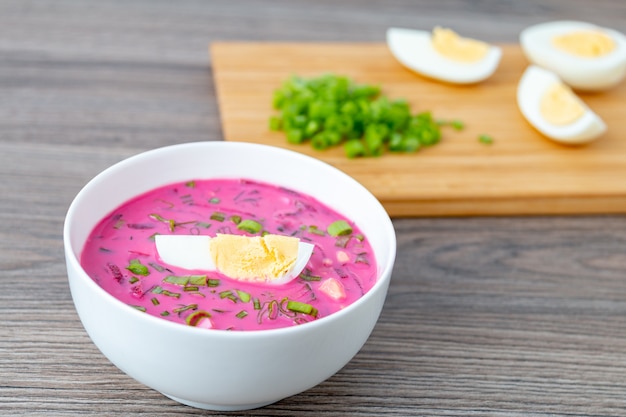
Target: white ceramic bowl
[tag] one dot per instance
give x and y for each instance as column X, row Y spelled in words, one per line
column 217, row 369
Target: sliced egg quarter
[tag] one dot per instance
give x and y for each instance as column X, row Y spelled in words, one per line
column 271, row 259
column 554, row 109
column 585, row 56
column 444, row 55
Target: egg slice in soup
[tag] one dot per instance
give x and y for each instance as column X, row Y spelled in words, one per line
column 444, row 55
column 555, row 110
column 271, row 259
column 583, row 55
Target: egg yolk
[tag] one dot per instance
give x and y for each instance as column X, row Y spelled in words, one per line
column 560, row 106
column 588, row 44
column 449, row 44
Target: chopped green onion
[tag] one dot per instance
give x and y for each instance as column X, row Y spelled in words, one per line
column 185, row 308
column 165, row 313
column 316, row 231
column 485, row 139
column 250, row 226
column 203, row 224
column 196, row 317
column 330, row 110
column 243, row 296
column 235, row 219
column 190, row 184
column 198, row 280
column 218, row 216
column 214, row 200
column 339, row 228
column 256, row 303
column 132, row 280
column 171, row 294
column 140, row 308
column 155, row 301
column 177, row 280
column 156, row 267
column 307, row 276
column 300, row 307
column 228, row 294
column 136, row 267
column 212, row 282
column 241, row 314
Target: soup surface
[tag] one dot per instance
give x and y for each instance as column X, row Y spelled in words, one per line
column 120, row 255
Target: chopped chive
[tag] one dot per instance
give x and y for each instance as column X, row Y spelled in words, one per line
column 155, row 301
column 217, row 216
column 235, row 219
column 191, row 289
column 250, row 226
column 241, row 314
column 243, row 296
column 203, row 224
column 185, row 308
column 136, row 267
column 198, row 280
column 300, row 307
column 214, row 200
column 171, row 294
column 339, row 228
column 177, row 280
column 316, row 231
column 165, row 313
column 156, row 267
column 212, row 282
column 256, row 303
column 228, row 294
column 485, row 139
column 307, row 276
column 140, row 308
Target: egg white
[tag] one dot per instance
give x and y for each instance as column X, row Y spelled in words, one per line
column 414, row 50
column 581, row 73
column 532, row 86
column 192, row 252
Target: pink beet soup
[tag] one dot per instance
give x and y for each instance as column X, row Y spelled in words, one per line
column 120, row 255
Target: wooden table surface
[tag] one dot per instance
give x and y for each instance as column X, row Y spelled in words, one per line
column 486, row 316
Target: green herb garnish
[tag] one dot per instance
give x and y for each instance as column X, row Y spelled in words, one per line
column 299, row 307
column 331, row 110
column 339, row 228
column 136, row 267
column 250, row 226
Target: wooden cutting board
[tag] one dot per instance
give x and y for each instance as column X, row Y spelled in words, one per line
column 520, row 173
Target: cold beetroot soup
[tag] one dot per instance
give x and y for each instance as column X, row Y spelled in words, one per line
column 120, row 255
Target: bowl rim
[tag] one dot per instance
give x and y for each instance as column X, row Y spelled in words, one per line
column 72, row 260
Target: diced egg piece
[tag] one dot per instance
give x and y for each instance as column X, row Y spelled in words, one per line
column 555, row 110
column 271, row 259
column 585, row 56
column 444, row 55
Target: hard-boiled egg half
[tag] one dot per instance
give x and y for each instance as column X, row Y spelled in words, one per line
column 554, row 109
column 444, row 55
column 269, row 259
column 583, row 55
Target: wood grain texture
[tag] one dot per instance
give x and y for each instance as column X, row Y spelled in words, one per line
column 486, row 316
column 521, row 173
